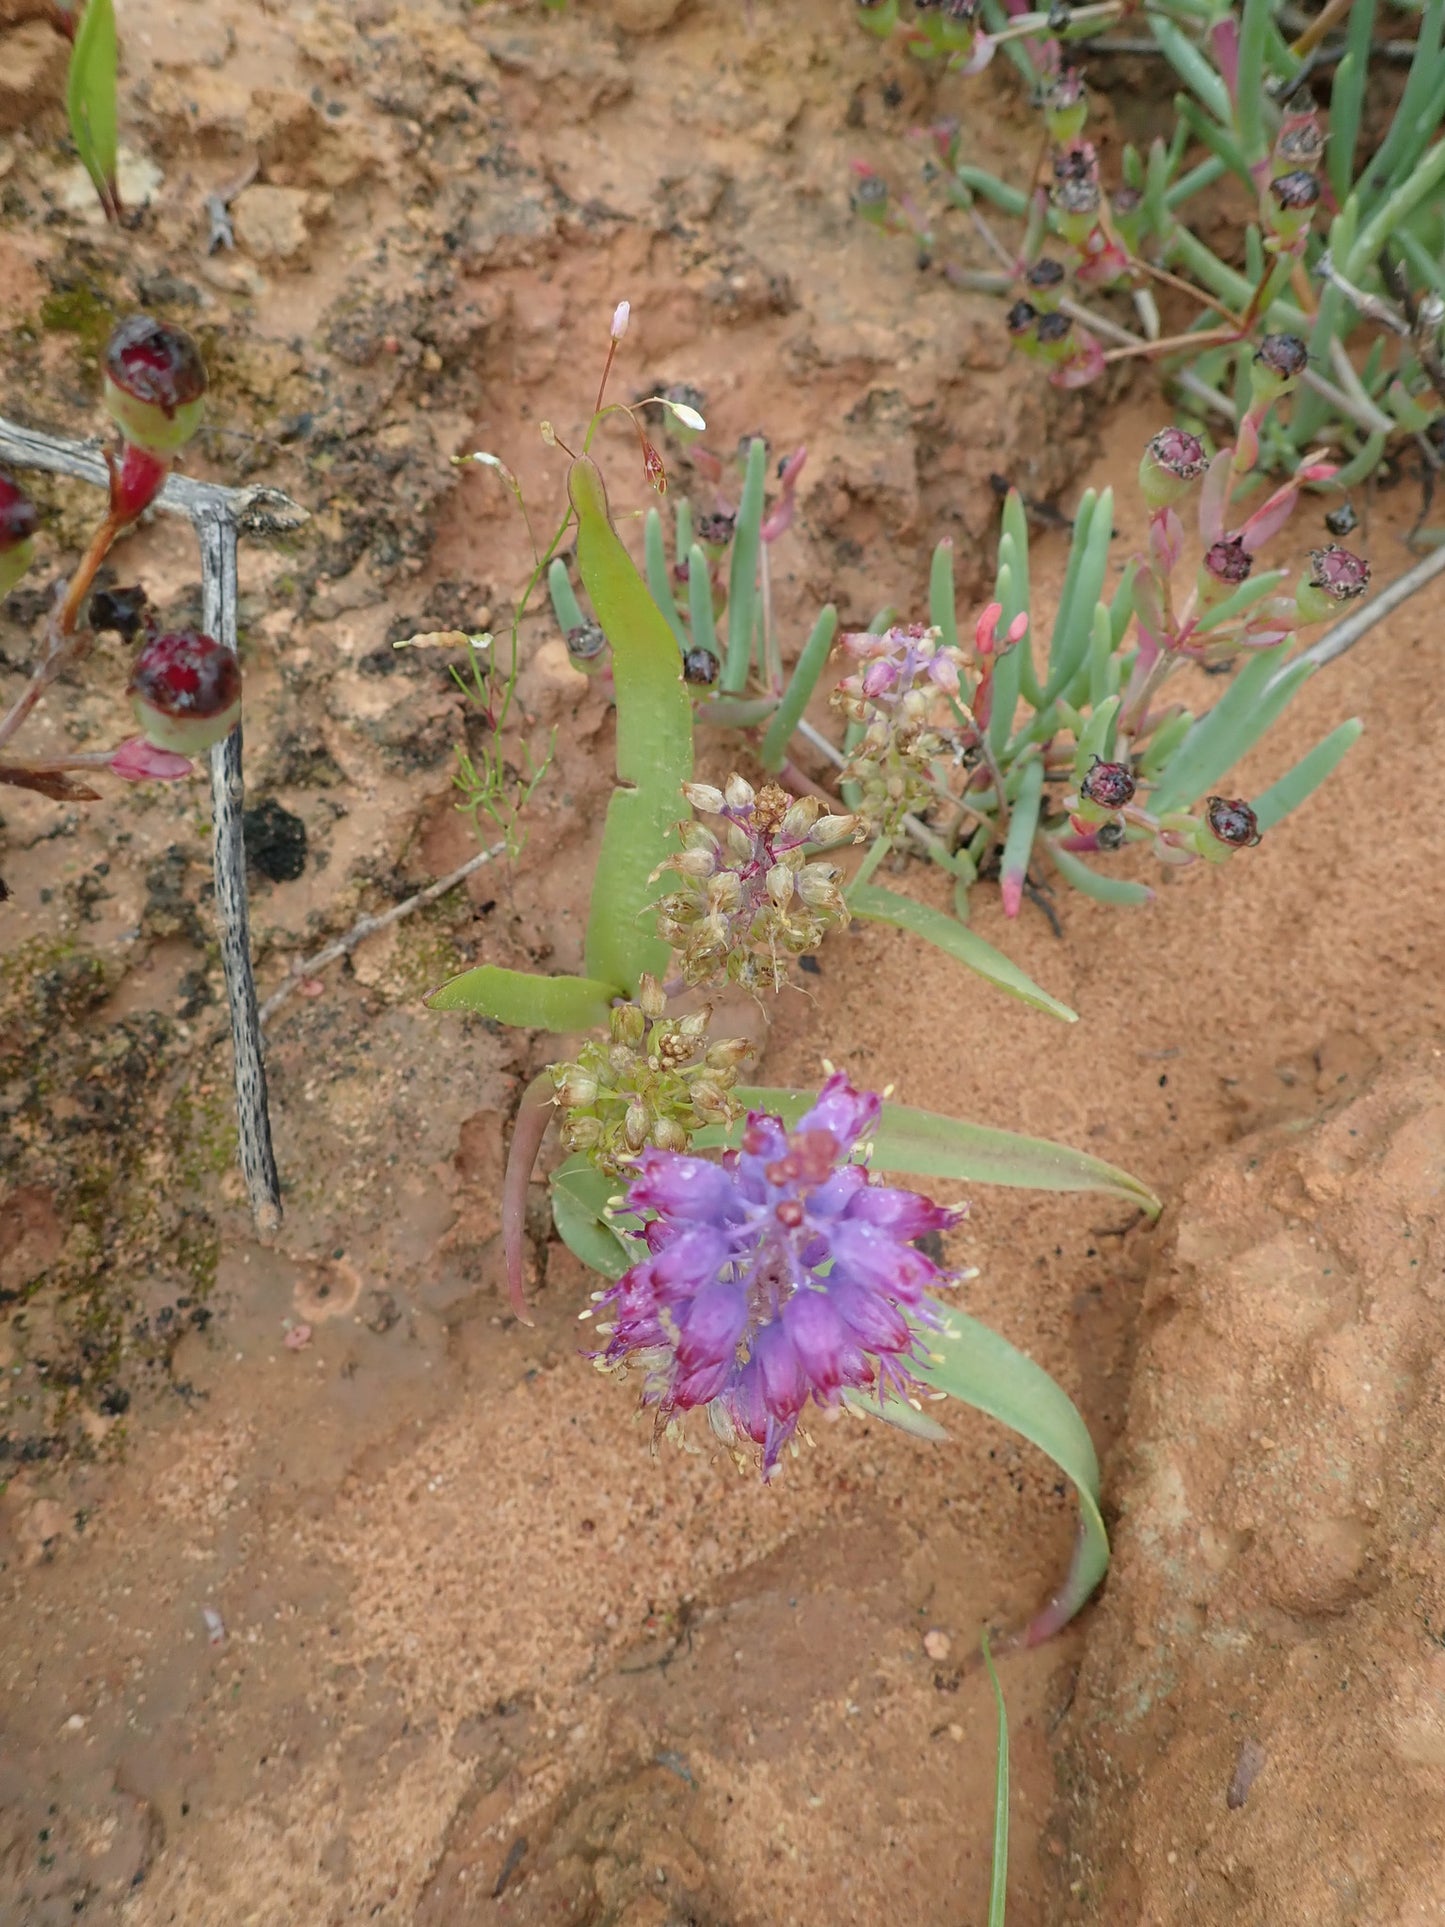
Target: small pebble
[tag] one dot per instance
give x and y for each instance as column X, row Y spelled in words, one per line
column 936, row 1644
column 298, row 1336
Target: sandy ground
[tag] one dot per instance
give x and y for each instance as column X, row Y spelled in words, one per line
column 407, row 1623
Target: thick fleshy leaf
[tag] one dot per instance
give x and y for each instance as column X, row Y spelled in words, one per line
column 1271, row 806
column 920, row 1144
column 1228, row 731
column 800, row 688
column 743, row 571
column 970, row 1362
column 528, row 1002
column 1103, row 889
column 960, row 943
column 654, row 744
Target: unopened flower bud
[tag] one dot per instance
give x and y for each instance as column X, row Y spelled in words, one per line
column 869, row 199
column 1077, row 200
column 1110, row 785
column 185, row 689
column 650, row 998
column 1021, row 318
column 1289, row 204
column 577, row 1090
column 1045, row 282
column 1227, row 562
column 1054, row 337
column 1066, row 106
column 155, row 384
column 706, row 798
column 621, row 315
column 1232, row 822
column 1336, row 576
column 1172, row 463
column 18, row 523
column 627, row 1025
column 586, row 645
column 1300, row 142
column 739, row 793
column 1277, row 367
column 701, row 668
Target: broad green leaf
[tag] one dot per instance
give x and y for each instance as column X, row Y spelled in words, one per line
column 897, row 1412
column 1116, row 890
column 743, row 571
column 579, row 1200
column 527, row 1001
column 1273, row 805
column 90, row 100
column 998, row 1878
column 800, row 687
column 654, row 744
column 921, row 1144
column 950, row 936
column 972, row 1363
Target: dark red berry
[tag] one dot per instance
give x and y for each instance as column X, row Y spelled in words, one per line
column 700, row 667
column 1110, row 785
column 1232, row 821
column 186, row 691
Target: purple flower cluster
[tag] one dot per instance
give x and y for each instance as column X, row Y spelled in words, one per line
column 781, row 1273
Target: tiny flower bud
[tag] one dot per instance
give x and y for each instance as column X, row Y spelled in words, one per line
column 869, row 199
column 1066, row 106
column 1045, row 281
column 1077, row 200
column 1054, row 336
column 714, row 532
column 1295, row 192
column 185, row 689
column 621, row 315
column 1336, row 576
column 653, row 469
column 706, row 798
column 1277, row 367
column 585, row 644
column 1232, row 821
column 1110, row 785
column 1172, row 462
column 739, row 793
column 1301, row 140
column 1228, row 562
column 136, row 480
column 155, row 384
column 18, row 523
column 1021, row 318
column 701, row 668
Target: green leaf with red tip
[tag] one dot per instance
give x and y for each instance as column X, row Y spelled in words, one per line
column 90, row 93
column 957, row 941
column 654, row 745
column 971, row 1363
column 528, row 1002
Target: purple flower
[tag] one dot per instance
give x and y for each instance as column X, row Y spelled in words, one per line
column 781, row 1273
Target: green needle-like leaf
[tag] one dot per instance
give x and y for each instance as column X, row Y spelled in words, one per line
column 743, row 571
column 654, row 744
column 1229, row 730
column 998, row 1878
column 565, row 606
column 942, row 608
column 795, row 697
column 699, row 603
column 1191, row 65
column 529, row 1002
column 659, row 577
column 950, row 936
column 90, row 100
column 1117, row 890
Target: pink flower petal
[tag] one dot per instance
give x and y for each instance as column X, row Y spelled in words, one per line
column 140, row 762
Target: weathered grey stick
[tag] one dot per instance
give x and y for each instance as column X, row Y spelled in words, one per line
column 219, row 516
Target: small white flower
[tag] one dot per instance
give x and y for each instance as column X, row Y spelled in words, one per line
column 621, row 315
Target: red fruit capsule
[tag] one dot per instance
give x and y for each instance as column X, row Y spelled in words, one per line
column 185, row 689
column 155, row 384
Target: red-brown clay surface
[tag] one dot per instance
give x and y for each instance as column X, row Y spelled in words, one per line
column 476, row 1654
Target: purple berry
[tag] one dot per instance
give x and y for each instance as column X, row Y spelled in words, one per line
column 185, row 689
